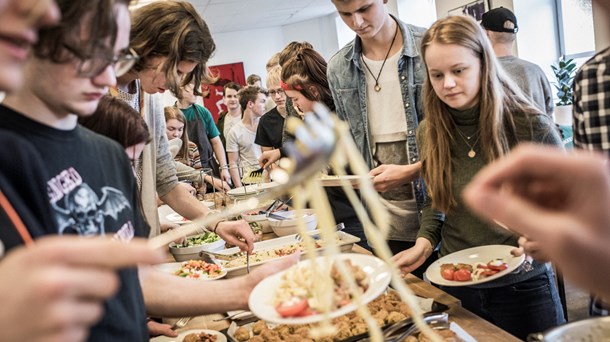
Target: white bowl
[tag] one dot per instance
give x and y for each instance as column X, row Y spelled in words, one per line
column 192, row 253
column 258, row 218
column 289, row 225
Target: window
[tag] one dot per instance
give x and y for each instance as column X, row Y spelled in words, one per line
column 575, row 25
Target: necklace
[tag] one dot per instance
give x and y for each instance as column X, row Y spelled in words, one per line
column 377, row 86
column 466, row 138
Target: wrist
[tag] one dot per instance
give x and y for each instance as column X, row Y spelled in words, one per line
column 213, row 227
column 425, row 245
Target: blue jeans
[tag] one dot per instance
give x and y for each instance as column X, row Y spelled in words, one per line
column 523, row 308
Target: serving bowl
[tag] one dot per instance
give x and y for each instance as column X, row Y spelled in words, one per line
column 192, row 252
column 285, row 222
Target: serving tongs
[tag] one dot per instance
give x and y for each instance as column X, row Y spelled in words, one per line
column 397, row 332
column 315, row 140
column 220, row 256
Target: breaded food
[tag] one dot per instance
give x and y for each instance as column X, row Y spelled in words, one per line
column 242, row 334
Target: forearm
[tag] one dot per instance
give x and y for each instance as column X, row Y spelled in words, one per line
column 166, row 295
column 184, row 203
column 234, row 169
column 219, row 151
column 430, row 226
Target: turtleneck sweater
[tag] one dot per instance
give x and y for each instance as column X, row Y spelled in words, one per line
column 461, row 229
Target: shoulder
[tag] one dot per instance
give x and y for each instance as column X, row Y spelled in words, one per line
column 99, row 141
column 342, row 57
column 598, row 65
column 206, row 112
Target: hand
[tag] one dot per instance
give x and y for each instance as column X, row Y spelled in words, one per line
column 237, row 233
column 410, row 259
column 158, row 329
column 226, row 177
column 390, row 176
column 533, row 249
column 267, row 158
column 218, row 184
column 55, row 289
column 557, row 200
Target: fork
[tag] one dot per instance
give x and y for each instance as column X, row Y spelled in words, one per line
column 256, row 173
column 181, row 323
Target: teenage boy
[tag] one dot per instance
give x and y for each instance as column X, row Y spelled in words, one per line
column 228, row 119
column 90, row 184
column 243, row 152
column 376, row 82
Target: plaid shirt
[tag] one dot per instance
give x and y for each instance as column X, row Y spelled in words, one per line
column 592, row 104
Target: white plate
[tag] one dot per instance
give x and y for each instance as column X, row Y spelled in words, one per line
column 473, row 255
column 172, row 267
column 177, row 218
column 329, row 181
column 219, row 336
column 261, row 301
column 251, row 189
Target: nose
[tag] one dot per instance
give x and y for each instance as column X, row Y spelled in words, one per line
column 106, row 78
column 449, row 82
column 357, row 20
column 40, row 12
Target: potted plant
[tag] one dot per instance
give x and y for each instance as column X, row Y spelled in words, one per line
column 564, row 74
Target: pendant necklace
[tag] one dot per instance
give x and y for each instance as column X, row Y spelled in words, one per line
column 377, row 86
column 466, row 138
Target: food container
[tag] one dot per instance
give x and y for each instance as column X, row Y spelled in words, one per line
column 344, row 240
column 593, row 329
column 261, row 219
column 288, row 226
column 192, row 252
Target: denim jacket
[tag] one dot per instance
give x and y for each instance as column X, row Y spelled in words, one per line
column 347, row 81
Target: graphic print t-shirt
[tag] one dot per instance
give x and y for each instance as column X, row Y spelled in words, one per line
column 92, row 191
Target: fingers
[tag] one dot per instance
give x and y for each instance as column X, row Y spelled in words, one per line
column 97, row 252
column 533, row 249
column 157, row 329
column 75, row 282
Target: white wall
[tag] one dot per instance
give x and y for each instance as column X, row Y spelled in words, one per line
column 601, row 24
column 418, row 12
column 320, row 32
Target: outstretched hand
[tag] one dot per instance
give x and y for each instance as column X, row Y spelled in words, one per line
column 237, row 233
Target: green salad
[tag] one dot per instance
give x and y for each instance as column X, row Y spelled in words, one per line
column 200, row 239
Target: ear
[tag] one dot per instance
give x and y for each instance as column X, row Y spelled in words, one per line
column 314, row 91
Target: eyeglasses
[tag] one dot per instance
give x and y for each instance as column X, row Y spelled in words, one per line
column 91, row 66
column 273, row 92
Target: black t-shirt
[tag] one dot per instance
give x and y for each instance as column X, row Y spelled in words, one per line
column 92, row 191
column 270, row 129
column 22, row 182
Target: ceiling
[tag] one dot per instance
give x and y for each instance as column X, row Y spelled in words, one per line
column 239, row 15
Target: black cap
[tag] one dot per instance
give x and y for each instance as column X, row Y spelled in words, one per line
column 493, row 20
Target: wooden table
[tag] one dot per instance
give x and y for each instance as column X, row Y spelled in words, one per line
column 477, row 327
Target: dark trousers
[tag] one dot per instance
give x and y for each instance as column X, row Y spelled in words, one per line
column 523, row 308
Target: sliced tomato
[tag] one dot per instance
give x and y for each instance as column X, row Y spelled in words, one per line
column 497, row 265
column 292, row 308
column 307, row 312
column 483, row 266
column 462, row 275
column 448, row 274
column 488, row 273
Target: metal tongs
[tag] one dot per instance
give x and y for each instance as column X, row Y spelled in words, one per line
column 315, row 139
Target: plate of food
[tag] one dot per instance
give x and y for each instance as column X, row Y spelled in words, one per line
column 193, row 269
column 293, row 296
column 474, row 266
column 335, row 180
column 194, row 335
column 177, row 218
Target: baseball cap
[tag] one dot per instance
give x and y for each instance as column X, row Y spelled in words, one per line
column 493, row 20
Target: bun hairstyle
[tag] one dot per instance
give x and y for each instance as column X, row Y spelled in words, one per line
column 306, row 72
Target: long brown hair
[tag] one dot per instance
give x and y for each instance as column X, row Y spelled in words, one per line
column 306, row 72
column 498, row 98
column 172, row 112
column 175, row 30
column 117, row 120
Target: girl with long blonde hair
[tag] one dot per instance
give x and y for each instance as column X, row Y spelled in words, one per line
column 474, row 115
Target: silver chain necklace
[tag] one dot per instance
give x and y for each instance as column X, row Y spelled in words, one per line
column 466, row 138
